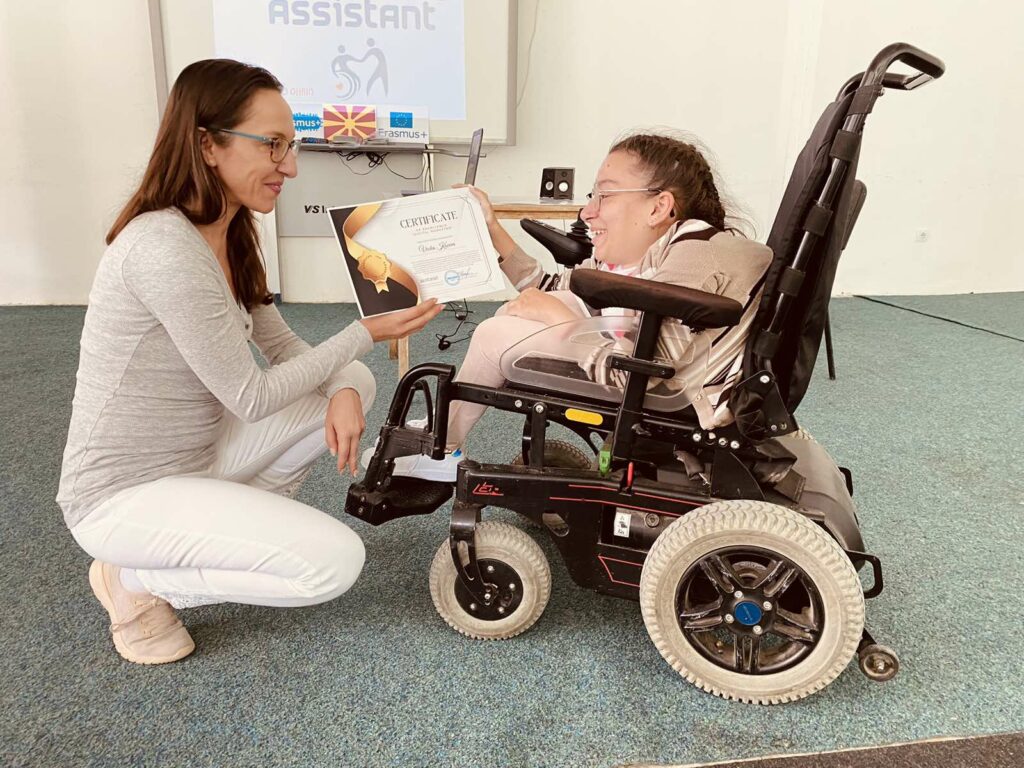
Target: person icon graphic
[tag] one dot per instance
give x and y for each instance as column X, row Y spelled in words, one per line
column 349, row 81
column 380, row 71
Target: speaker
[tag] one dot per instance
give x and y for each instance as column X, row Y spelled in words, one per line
column 556, row 183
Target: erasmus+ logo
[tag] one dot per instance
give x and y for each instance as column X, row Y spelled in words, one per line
column 307, row 121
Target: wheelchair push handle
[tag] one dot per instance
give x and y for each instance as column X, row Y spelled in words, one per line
column 928, row 67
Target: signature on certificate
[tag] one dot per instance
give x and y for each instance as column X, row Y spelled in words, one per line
column 437, row 247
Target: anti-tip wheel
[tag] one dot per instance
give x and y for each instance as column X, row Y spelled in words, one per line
column 878, row 662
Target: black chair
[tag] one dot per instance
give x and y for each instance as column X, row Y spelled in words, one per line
column 741, row 543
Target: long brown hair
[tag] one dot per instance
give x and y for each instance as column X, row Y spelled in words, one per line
column 679, row 167
column 210, row 93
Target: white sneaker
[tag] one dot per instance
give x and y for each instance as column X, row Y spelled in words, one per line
column 368, row 453
column 425, row 468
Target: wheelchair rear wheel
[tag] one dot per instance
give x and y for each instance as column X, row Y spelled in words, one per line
column 561, row 454
column 521, row 584
column 752, row 601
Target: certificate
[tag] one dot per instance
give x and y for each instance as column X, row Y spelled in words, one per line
column 402, row 251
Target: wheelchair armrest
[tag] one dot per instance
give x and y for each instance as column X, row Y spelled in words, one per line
column 697, row 309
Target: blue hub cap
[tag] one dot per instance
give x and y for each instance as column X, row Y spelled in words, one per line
column 748, row 614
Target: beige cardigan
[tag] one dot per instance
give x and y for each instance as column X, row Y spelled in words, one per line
column 724, row 264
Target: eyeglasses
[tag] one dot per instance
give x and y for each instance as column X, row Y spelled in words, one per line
column 278, row 146
column 595, row 196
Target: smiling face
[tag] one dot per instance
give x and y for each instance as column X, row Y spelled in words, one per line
column 624, row 225
column 243, row 165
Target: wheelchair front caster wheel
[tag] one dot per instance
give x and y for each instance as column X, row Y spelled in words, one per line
column 878, row 662
column 515, row 572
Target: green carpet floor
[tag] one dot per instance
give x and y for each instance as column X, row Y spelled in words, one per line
column 928, row 414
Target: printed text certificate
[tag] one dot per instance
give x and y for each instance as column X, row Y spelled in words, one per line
column 402, row 251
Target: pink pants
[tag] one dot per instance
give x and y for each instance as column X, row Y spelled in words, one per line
column 491, row 339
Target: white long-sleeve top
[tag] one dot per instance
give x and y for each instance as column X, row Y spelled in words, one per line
column 165, row 350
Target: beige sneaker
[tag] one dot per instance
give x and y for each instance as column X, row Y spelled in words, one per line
column 146, row 629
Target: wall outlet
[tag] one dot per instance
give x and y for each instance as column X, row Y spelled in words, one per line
column 921, row 236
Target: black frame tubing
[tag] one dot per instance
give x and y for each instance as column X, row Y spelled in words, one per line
column 875, row 78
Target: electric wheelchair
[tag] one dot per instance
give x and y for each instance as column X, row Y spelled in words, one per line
column 740, row 540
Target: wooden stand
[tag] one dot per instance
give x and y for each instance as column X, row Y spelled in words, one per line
column 398, row 349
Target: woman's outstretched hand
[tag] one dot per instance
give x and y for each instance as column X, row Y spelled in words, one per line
column 398, row 325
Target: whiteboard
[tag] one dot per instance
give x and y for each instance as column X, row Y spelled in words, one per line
column 488, row 67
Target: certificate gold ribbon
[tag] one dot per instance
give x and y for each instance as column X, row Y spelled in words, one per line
column 374, row 266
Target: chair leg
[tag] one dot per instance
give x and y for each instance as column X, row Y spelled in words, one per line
column 828, row 349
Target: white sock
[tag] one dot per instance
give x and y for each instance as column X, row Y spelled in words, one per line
column 130, row 580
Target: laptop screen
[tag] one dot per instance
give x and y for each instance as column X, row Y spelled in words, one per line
column 474, row 155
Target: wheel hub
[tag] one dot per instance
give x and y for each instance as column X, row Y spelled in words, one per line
column 729, row 610
column 747, row 613
column 499, row 596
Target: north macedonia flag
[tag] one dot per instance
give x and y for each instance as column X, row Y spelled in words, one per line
column 355, row 121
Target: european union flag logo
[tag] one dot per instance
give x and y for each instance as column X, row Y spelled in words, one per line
column 401, row 119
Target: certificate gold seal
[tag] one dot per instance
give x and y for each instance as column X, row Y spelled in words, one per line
column 374, row 266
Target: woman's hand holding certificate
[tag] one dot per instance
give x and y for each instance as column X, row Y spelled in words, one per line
column 403, row 322
column 399, row 252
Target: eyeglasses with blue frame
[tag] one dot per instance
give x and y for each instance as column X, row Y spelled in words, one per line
column 278, row 146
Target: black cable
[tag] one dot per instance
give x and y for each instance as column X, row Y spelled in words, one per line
column 939, row 317
column 346, row 158
column 373, row 160
column 407, row 178
column 445, row 340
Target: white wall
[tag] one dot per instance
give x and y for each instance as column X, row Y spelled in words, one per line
column 748, row 78
column 77, row 124
column 944, row 159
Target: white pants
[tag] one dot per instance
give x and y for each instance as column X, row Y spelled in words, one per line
column 227, row 535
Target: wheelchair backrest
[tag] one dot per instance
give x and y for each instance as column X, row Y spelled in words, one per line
column 807, row 239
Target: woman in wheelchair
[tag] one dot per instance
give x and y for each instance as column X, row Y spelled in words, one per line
column 654, row 213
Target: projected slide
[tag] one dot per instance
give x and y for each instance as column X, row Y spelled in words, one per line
column 352, row 52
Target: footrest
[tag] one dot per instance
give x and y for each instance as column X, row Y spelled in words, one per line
column 404, row 497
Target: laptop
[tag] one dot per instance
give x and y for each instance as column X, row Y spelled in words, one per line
column 471, row 165
column 474, row 155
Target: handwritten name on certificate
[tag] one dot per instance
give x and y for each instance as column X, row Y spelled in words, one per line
column 399, row 252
